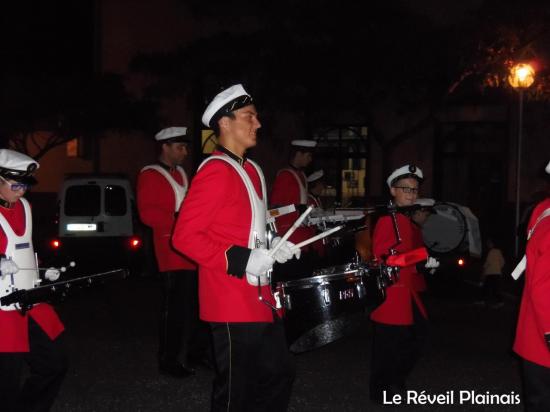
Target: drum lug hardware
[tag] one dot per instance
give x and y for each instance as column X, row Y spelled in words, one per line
column 326, row 296
column 277, row 297
column 361, row 292
column 287, row 302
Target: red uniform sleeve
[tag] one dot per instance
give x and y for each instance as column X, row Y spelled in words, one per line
column 541, row 279
column 383, row 237
column 155, row 207
column 192, row 233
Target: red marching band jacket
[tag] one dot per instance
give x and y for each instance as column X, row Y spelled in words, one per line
column 216, row 215
column 156, row 203
column 534, row 314
column 397, row 308
column 14, row 330
column 290, row 187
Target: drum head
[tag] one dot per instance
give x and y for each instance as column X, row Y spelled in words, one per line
column 445, row 228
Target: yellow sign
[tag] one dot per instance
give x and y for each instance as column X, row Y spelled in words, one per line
column 208, row 141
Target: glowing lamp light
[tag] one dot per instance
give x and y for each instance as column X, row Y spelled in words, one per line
column 135, row 242
column 55, row 244
column 522, row 75
column 461, row 262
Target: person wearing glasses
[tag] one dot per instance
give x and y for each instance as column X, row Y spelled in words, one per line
column 161, row 189
column 222, row 226
column 400, row 321
column 34, row 337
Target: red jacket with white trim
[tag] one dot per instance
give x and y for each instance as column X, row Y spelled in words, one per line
column 397, row 308
column 14, row 329
column 215, row 216
column 534, row 314
column 156, row 207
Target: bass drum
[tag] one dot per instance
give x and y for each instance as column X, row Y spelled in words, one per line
column 445, row 229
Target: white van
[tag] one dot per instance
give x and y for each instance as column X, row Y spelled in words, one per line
column 96, row 206
column 97, row 223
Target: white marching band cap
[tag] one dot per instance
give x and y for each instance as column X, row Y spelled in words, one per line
column 425, row 202
column 171, row 133
column 225, row 102
column 404, row 172
column 17, row 166
column 315, row 176
column 309, row 144
column 548, row 168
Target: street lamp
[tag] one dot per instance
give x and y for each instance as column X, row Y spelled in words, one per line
column 522, row 75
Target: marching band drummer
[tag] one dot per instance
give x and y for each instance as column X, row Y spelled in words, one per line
column 161, row 189
column 36, row 336
column 222, row 227
column 291, row 187
column 400, row 322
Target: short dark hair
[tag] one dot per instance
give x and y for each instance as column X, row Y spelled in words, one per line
column 216, row 126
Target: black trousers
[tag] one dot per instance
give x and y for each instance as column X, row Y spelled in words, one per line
column 254, row 369
column 47, row 362
column 181, row 334
column 492, row 288
column 536, row 383
column 395, row 351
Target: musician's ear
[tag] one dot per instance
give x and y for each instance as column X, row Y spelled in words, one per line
column 393, row 191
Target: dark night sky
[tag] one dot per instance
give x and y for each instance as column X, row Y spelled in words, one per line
column 47, row 37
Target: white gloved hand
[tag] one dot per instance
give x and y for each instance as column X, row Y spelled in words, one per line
column 52, row 274
column 8, row 267
column 286, row 252
column 259, row 262
column 431, row 263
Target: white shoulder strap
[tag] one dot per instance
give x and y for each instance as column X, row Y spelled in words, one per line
column 180, row 191
column 520, row 268
column 262, row 179
column 6, row 227
column 240, row 171
column 183, row 175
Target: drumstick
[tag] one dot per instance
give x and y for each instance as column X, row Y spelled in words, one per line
column 291, row 231
column 319, row 236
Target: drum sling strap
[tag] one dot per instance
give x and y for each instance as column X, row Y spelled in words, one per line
column 520, row 268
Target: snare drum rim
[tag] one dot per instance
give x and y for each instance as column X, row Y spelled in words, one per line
column 315, row 281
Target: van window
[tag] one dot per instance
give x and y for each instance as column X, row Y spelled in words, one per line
column 115, row 200
column 83, row 200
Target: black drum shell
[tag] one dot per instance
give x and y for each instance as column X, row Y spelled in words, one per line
column 324, row 308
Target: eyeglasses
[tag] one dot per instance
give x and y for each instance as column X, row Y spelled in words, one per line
column 17, row 186
column 406, row 189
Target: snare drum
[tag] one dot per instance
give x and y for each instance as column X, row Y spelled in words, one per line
column 327, row 306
